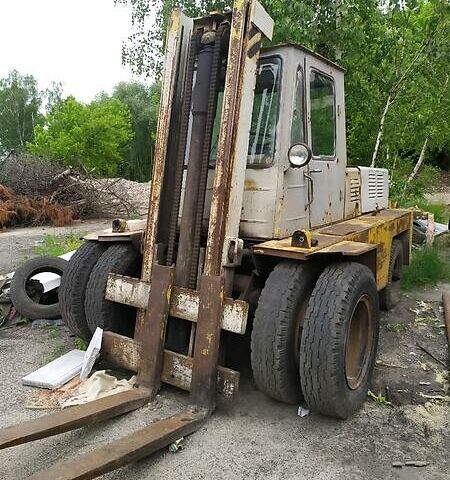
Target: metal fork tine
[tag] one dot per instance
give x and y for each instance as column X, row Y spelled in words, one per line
column 73, row 418
column 128, row 449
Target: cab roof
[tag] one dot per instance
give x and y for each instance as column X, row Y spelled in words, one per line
column 296, row 46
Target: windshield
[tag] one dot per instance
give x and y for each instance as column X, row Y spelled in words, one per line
column 261, row 146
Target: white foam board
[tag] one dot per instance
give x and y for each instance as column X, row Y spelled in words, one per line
column 58, row 372
column 92, row 353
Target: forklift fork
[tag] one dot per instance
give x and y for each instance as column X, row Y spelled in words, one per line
column 155, row 294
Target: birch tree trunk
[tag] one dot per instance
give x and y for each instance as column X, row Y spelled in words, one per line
column 381, row 130
column 419, row 162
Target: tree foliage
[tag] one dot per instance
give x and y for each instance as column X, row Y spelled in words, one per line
column 396, row 53
column 143, row 103
column 96, row 136
column 20, row 101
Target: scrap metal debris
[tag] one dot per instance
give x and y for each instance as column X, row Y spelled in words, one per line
column 176, row 445
column 302, row 411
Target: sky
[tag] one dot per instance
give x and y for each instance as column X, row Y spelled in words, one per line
column 76, row 42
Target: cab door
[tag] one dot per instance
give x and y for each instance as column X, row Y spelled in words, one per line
column 325, row 174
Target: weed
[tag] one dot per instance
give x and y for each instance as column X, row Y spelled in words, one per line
column 81, row 344
column 426, row 321
column 379, row 399
column 56, row 245
column 427, row 268
column 58, row 347
column 395, row 327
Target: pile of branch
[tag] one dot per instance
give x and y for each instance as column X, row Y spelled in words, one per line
column 87, row 196
column 21, row 210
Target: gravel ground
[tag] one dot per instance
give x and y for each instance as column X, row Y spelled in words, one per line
column 259, row 438
column 17, row 244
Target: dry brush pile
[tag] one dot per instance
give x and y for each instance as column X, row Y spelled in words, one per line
column 34, row 191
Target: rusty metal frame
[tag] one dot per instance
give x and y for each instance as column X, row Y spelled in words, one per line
column 200, row 374
column 354, row 237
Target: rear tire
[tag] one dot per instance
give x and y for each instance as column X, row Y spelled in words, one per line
column 73, row 287
column 339, row 340
column 124, row 260
column 390, row 295
column 277, row 328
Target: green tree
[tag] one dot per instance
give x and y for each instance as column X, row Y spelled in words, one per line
column 143, row 103
column 395, row 52
column 20, row 101
column 96, row 136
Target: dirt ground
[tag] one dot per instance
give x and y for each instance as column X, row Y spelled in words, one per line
column 260, row 438
column 17, row 244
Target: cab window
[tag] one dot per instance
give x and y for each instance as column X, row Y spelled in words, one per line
column 322, row 115
column 261, row 148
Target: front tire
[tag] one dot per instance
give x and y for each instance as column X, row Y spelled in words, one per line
column 72, row 291
column 122, row 259
column 339, row 340
column 277, row 329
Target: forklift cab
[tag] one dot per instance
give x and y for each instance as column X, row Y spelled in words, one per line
column 299, row 99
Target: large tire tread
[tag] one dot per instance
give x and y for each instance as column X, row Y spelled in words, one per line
column 122, row 259
column 322, row 349
column 73, row 287
column 272, row 345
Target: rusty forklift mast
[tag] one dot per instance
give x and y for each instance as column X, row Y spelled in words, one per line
column 200, row 55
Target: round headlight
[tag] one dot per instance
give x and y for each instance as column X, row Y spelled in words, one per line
column 299, row 155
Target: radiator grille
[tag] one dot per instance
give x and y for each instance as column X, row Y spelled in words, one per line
column 375, row 187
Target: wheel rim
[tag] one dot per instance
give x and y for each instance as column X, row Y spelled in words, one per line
column 359, row 343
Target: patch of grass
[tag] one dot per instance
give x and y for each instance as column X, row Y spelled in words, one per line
column 56, row 245
column 395, row 327
column 59, row 348
column 427, row 268
column 441, row 211
column 81, row 344
column 379, row 399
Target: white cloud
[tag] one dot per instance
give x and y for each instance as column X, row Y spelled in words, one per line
column 76, row 42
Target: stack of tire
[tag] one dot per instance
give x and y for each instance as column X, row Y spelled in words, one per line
column 83, row 286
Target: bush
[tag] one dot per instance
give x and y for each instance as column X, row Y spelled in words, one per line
column 427, row 268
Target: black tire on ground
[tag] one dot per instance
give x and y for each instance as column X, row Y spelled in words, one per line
column 339, row 340
column 124, row 260
column 73, row 287
column 390, row 295
column 277, row 328
column 21, row 284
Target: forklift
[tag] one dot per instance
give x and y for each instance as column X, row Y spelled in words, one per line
column 257, row 230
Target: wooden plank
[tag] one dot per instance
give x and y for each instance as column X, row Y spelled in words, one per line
column 72, row 418
column 128, row 449
column 124, row 352
column 184, row 302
